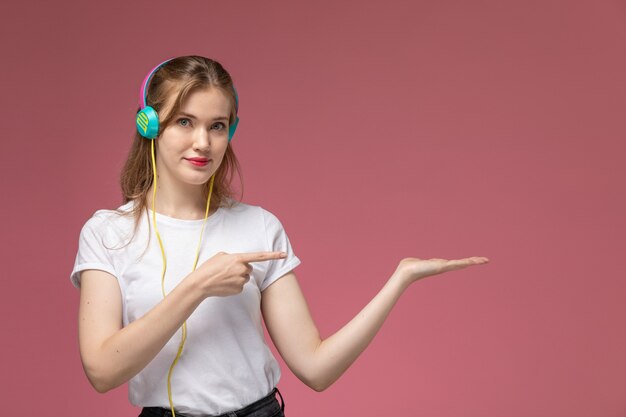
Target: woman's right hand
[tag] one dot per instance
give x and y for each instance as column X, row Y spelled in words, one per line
column 225, row 274
column 113, row 354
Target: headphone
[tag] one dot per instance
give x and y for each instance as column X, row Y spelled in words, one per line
column 147, row 120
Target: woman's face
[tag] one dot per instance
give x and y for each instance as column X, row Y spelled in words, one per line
column 192, row 146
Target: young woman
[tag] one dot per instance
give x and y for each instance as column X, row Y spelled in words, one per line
column 175, row 281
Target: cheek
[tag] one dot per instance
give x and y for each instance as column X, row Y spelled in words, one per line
column 220, row 157
column 164, row 153
column 221, row 150
column 174, row 145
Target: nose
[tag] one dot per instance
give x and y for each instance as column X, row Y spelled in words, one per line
column 201, row 140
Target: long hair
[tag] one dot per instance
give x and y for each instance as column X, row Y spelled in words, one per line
column 177, row 79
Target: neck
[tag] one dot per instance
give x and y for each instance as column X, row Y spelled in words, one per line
column 186, row 202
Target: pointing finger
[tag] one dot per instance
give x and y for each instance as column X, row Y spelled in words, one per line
column 261, row 256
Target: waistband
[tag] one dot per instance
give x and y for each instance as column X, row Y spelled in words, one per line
column 243, row 412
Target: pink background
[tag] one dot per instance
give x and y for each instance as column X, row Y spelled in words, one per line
column 374, row 131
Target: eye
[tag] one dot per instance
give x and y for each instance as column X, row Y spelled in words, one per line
column 218, row 126
column 183, row 121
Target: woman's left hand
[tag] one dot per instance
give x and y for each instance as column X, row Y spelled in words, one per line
column 412, row 269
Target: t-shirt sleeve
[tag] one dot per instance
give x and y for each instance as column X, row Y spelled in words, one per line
column 92, row 252
column 277, row 241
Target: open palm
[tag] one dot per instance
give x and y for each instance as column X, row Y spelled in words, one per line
column 413, row 269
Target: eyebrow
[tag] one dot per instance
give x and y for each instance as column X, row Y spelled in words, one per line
column 191, row 116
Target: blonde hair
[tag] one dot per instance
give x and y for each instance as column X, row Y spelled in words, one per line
column 180, row 77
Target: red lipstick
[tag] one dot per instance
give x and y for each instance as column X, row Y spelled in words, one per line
column 197, row 161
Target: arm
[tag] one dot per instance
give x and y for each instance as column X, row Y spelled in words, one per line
column 112, row 354
column 319, row 363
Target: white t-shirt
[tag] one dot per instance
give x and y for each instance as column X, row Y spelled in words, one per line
column 225, row 364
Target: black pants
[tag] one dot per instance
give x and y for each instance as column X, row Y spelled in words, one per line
column 265, row 407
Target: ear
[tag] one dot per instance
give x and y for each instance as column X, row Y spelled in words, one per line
column 147, row 123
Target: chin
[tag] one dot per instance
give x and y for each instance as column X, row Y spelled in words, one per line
column 194, row 179
column 200, row 182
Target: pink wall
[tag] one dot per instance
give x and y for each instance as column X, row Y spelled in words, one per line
column 374, row 131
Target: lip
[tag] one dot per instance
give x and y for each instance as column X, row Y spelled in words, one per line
column 198, row 161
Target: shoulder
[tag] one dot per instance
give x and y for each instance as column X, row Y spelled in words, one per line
column 105, row 221
column 242, row 210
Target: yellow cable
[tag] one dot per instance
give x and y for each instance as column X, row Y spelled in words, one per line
column 195, row 263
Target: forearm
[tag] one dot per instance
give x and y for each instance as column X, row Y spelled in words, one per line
column 128, row 351
column 335, row 354
column 319, row 363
